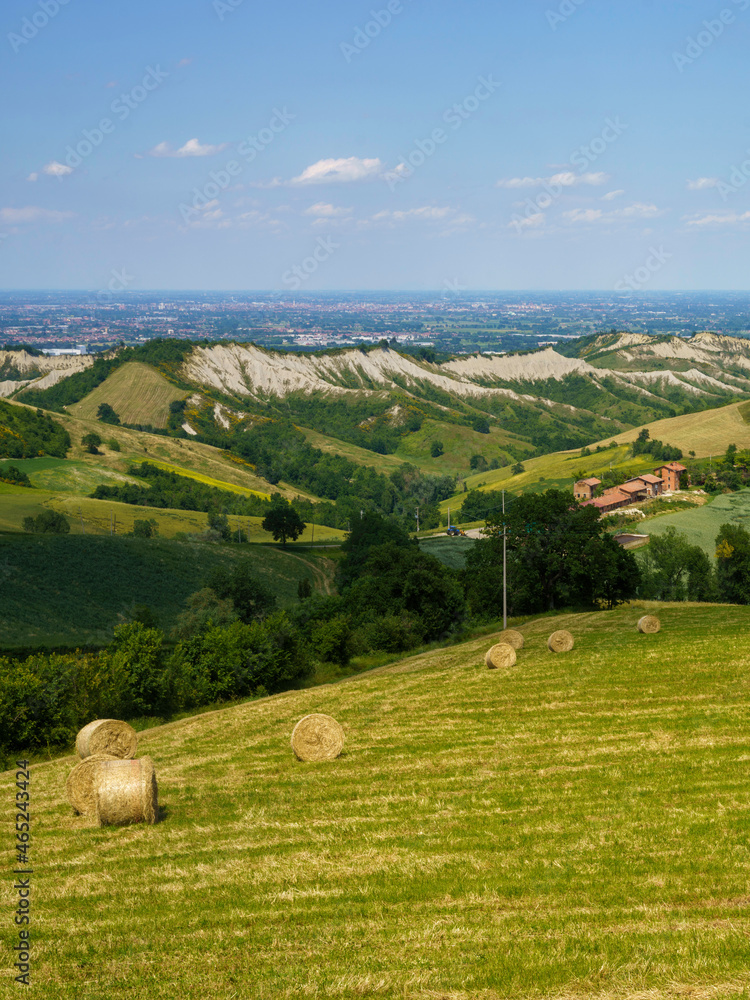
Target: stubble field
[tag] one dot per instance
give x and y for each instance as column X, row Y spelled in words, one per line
column 576, row 826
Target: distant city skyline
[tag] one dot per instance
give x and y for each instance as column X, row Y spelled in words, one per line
column 554, row 145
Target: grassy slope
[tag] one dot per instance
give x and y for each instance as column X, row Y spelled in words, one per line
column 73, row 590
column 576, row 826
column 136, row 392
column 704, row 433
column 707, row 433
column 702, row 525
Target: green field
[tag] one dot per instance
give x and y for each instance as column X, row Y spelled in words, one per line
column 576, row 826
column 66, row 475
column 136, row 392
column 701, row 526
column 450, row 551
column 69, row 590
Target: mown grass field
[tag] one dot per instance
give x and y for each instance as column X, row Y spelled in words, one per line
column 576, row 826
column 69, row 590
column 701, row 526
column 136, row 392
column 706, row 433
column 459, row 442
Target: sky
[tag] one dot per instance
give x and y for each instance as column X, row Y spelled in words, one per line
column 453, row 145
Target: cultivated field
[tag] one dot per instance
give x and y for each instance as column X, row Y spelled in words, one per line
column 73, row 590
column 576, row 826
column 136, row 392
column 701, row 526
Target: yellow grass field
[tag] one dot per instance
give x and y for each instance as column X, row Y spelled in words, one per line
column 219, row 484
column 136, row 392
column 706, row 433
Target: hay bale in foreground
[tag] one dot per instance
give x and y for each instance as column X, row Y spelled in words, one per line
column 317, row 737
column 560, row 642
column 80, row 786
column 501, row 656
column 110, row 736
column 126, row 792
column 649, row 625
column 511, row 638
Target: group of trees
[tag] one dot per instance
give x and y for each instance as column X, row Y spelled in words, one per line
column 28, row 433
column 351, row 488
column 659, row 451
column 558, row 555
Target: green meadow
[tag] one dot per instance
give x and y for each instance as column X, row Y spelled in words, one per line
column 69, row 590
column 575, row 826
column 701, row 526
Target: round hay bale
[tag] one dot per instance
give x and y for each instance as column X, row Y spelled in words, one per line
column 109, row 736
column 317, row 737
column 649, row 625
column 560, row 642
column 80, row 786
column 126, row 792
column 501, row 656
column 511, row 638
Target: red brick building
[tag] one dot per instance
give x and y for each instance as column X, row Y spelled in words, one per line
column 670, row 475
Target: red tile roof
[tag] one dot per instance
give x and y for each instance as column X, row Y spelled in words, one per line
column 648, row 478
column 630, row 487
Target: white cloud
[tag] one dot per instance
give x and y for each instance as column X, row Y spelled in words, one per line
column 702, row 183
column 529, row 222
column 428, row 212
column 729, row 219
column 32, row 213
column 52, row 169
column 638, row 210
column 584, row 215
column 321, row 210
column 191, row 148
column 611, row 195
column 565, row 178
column 341, row 171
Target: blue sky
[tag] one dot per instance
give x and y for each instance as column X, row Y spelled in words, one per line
column 229, row 144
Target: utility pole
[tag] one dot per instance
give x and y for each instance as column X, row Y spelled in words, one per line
column 312, row 544
column 449, row 517
column 417, row 520
column 505, row 575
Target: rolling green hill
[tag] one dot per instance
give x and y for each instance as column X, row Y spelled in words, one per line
column 576, row 826
column 73, row 590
